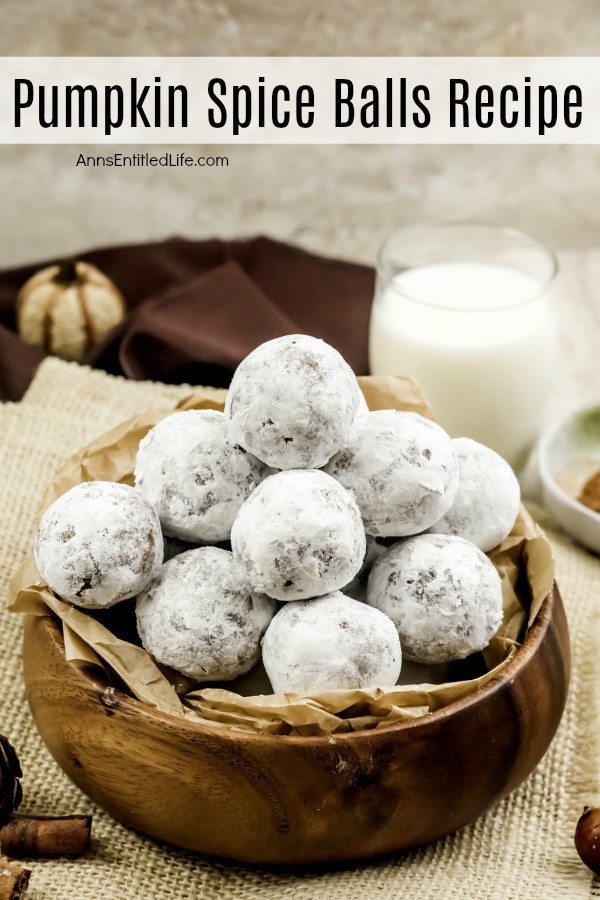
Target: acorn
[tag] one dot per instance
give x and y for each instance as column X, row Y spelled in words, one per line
column 587, row 838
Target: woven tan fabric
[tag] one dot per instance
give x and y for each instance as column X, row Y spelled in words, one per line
column 523, row 848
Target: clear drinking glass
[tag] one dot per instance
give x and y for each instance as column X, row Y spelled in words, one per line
column 467, row 309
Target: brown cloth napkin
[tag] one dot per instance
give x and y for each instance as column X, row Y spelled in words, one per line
column 196, row 308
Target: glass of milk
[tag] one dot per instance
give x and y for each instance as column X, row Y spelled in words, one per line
column 467, row 310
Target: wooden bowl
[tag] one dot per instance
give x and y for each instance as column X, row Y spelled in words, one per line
column 295, row 800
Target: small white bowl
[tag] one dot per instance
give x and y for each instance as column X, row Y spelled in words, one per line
column 568, row 454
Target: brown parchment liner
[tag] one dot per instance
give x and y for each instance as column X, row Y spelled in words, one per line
column 524, row 561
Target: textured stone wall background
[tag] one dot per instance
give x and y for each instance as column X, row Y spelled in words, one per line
column 341, row 200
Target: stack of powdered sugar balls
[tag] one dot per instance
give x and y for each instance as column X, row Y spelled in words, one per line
column 316, row 495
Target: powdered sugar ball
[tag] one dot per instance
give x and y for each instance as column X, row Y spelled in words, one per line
column 292, row 401
column 363, row 407
column 195, row 475
column 488, row 498
column 402, row 470
column 299, row 535
column 200, row 616
column 443, row 594
column 98, row 544
column 331, row 643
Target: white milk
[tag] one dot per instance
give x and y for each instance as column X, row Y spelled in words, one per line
column 479, row 338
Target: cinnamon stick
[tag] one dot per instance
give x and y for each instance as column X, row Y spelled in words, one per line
column 14, row 880
column 31, row 836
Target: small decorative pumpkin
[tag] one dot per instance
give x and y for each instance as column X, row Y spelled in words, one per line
column 66, row 309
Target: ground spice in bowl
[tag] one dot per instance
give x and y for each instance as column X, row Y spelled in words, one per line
column 590, row 493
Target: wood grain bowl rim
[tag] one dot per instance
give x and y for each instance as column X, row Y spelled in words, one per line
column 123, row 702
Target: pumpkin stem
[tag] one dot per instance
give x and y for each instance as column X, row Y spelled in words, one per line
column 67, row 272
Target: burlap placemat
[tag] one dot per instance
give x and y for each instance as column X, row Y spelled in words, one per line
column 521, row 849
